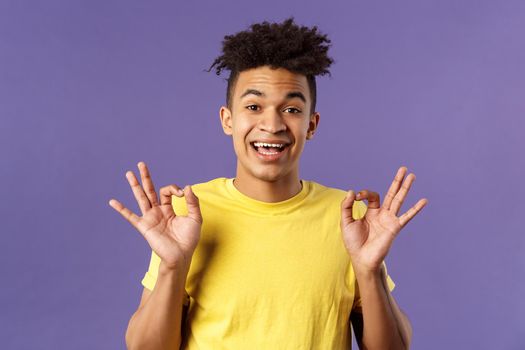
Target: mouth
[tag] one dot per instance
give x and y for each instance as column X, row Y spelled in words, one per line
column 269, row 149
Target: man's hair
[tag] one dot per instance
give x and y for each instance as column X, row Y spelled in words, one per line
column 299, row 49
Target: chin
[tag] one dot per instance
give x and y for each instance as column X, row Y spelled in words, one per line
column 268, row 176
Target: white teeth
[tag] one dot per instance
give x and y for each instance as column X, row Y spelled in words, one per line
column 269, row 153
column 262, row 144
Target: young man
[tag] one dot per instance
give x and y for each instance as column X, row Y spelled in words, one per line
column 266, row 260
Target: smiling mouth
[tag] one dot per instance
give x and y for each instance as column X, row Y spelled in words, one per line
column 268, row 149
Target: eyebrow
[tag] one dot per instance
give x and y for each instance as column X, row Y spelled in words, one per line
column 289, row 96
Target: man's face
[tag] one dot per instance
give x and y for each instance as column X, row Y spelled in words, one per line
column 270, row 106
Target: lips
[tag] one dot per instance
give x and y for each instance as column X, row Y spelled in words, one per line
column 270, row 154
column 264, row 148
column 270, row 141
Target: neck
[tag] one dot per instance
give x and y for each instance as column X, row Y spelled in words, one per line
column 268, row 191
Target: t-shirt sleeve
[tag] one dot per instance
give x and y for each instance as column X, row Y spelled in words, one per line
column 150, row 277
column 358, row 211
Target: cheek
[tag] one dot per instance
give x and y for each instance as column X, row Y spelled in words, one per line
column 300, row 139
column 241, row 129
column 240, row 133
column 301, row 130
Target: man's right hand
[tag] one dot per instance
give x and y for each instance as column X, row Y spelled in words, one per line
column 173, row 238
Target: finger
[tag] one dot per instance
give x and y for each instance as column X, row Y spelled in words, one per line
column 347, row 208
column 147, row 183
column 394, row 187
column 402, row 193
column 192, row 202
column 371, row 196
column 406, row 217
column 138, row 192
column 167, row 192
column 125, row 212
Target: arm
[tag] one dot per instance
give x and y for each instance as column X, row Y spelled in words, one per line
column 157, row 322
column 368, row 240
column 380, row 324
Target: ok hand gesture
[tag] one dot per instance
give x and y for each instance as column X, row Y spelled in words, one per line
column 173, row 238
column 368, row 239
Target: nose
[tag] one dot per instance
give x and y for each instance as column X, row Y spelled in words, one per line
column 272, row 122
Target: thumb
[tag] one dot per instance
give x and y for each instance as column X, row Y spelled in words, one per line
column 192, row 202
column 346, row 208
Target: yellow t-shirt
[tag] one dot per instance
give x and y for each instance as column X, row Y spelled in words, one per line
column 268, row 275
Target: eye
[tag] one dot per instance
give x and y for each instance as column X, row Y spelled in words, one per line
column 249, row 107
column 295, row 110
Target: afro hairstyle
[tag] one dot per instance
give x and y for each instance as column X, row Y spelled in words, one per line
column 299, row 49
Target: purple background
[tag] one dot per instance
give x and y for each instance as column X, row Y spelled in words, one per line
column 89, row 88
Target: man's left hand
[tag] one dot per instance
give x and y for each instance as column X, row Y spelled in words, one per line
column 368, row 239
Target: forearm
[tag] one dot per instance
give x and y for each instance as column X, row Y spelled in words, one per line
column 157, row 325
column 382, row 328
column 403, row 324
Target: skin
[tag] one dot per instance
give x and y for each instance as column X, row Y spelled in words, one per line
column 380, row 323
column 268, row 112
column 174, row 239
column 270, row 116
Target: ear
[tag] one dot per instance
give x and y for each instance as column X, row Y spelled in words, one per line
column 312, row 125
column 226, row 120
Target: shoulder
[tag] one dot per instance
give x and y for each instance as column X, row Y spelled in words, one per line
column 325, row 191
column 205, row 191
column 211, row 186
column 334, row 195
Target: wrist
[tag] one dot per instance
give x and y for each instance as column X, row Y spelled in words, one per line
column 364, row 275
column 366, row 270
column 367, row 274
column 178, row 270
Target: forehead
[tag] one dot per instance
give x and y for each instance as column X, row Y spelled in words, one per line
column 271, row 81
